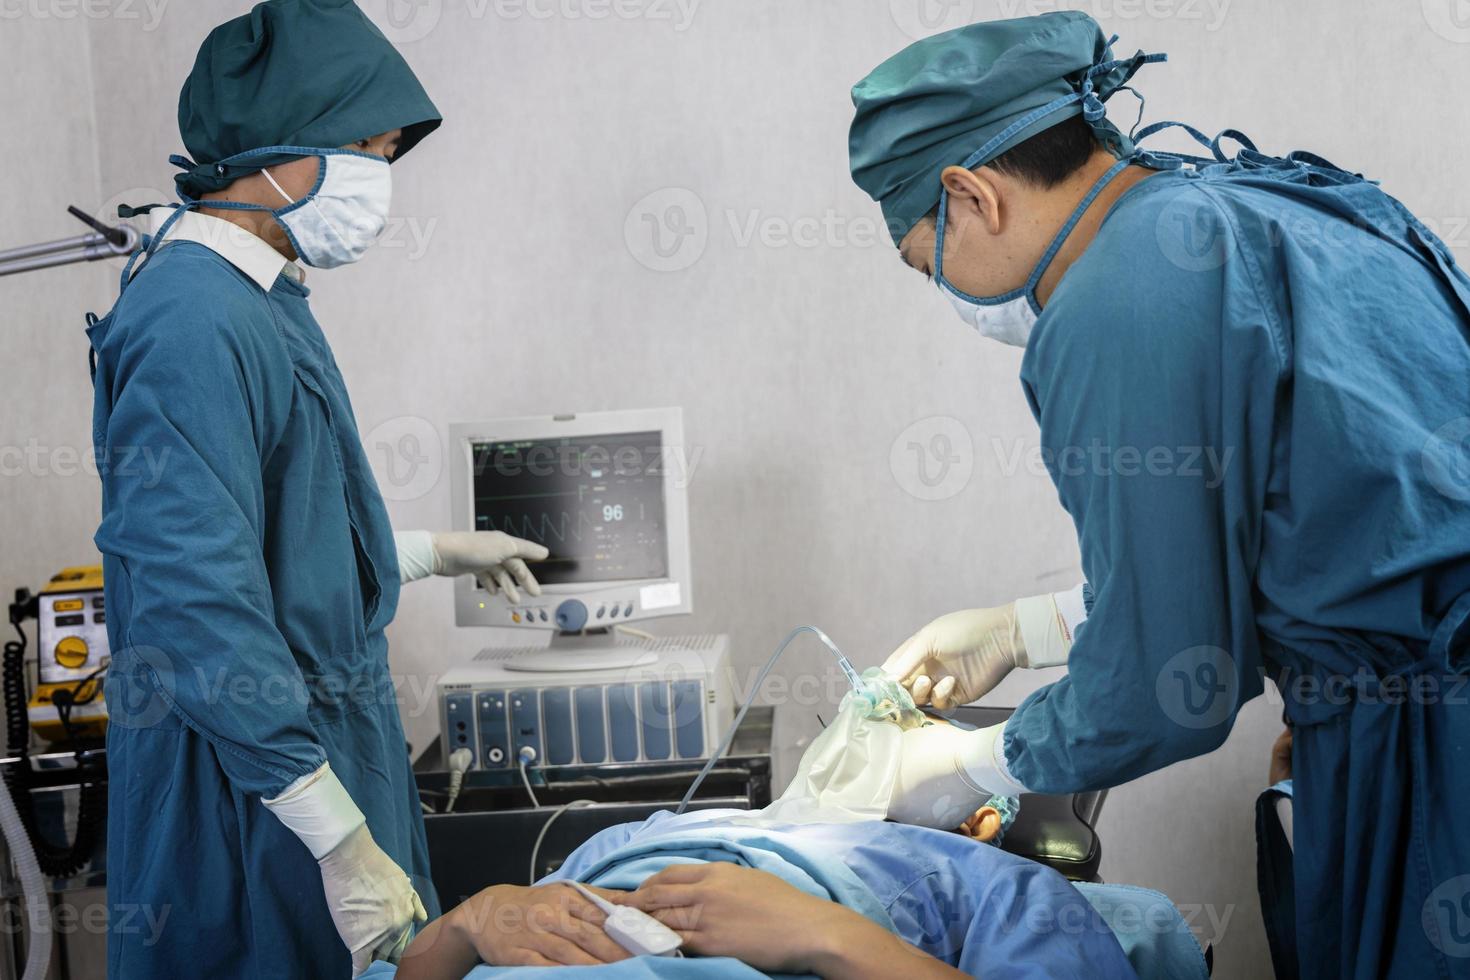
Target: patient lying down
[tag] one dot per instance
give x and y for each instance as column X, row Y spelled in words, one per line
column 750, row 894
column 862, row 899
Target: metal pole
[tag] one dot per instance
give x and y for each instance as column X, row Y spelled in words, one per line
column 45, row 248
column 94, row 245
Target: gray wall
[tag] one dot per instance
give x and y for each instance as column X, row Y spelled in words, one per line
column 806, row 359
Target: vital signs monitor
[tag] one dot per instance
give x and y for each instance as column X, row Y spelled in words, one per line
column 605, row 492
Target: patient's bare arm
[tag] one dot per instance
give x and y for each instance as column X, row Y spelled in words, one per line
column 723, row 909
column 511, row 925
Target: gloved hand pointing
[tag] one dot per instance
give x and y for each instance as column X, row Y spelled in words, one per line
column 962, row 656
column 495, row 558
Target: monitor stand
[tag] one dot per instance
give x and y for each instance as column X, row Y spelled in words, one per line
column 586, row 650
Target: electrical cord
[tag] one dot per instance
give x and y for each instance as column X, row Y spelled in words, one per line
column 527, row 755
column 55, row 861
column 66, row 700
column 536, row 847
column 459, row 763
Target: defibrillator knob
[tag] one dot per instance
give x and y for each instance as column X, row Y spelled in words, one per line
column 71, row 652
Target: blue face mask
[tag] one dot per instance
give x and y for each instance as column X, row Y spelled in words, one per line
column 344, row 213
column 1009, row 317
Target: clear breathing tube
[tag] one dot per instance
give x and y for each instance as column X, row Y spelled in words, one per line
column 842, row 662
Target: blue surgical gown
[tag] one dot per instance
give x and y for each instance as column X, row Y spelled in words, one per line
column 250, row 571
column 1253, row 390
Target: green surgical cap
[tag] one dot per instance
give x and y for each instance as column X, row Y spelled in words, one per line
column 939, row 100
column 307, row 73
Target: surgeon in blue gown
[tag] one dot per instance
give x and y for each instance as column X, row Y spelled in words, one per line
column 262, row 810
column 1252, row 380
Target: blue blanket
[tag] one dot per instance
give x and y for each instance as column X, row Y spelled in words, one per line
column 977, row 908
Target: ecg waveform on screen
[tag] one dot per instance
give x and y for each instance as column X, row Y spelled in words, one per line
column 546, row 528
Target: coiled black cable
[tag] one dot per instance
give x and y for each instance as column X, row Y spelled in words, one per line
column 56, row 861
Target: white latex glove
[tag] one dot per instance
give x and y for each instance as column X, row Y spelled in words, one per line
column 962, row 656
column 371, row 900
column 373, row 903
column 497, row 560
column 945, row 774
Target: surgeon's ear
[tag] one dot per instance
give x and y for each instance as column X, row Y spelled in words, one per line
column 973, row 194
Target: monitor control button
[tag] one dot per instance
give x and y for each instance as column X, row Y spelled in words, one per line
column 571, row 615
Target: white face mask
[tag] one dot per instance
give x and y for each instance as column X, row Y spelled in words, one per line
column 1009, row 322
column 1009, row 317
column 348, row 211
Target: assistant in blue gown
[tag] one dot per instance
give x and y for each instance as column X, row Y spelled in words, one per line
column 249, row 565
column 1254, row 397
column 247, row 591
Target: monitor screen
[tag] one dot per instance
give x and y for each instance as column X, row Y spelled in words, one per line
column 596, row 502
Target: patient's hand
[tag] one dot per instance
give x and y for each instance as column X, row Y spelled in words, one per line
column 722, row 909
column 513, row 925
